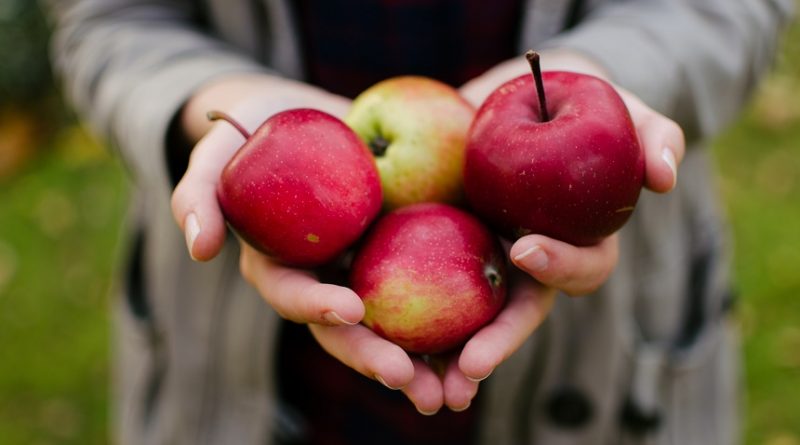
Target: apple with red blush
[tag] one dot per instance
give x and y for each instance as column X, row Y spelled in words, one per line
column 302, row 189
column 556, row 154
column 430, row 276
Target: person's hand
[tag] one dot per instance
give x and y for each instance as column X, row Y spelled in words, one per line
column 296, row 295
column 451, row 379
column 550, row 264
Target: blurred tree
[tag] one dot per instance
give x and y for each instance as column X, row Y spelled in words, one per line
column 24, row 72
column 31, row 110
column 30, row 107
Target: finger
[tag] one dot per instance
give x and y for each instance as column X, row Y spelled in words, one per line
column 425, row 390
column 529, row 303
column 476, row 90
column 297, row 295
column 574, row 270
column 664, row 148
column 335, row 105
column 372, row 356
column 194, row 200
column 458, row 389
column 662, row 141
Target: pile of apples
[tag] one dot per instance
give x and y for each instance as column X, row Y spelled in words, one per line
column 420, row 187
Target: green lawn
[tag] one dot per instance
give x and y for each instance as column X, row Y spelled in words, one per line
column 60, row 222
column 59, row 235
column 759, row 165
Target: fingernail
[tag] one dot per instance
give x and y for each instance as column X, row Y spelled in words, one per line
column 480, row 379
column 534, row 259
column 335, row 319
column 464, row 408
column 427, row 413
column 191, row 229
column 669, row 158
column 383, row 382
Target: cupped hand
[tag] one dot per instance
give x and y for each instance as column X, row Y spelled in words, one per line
column 546, row 265
column 451, row 380
column 333, row 312
column 296, row 295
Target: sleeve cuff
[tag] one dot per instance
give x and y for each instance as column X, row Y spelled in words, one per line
column 142, row 122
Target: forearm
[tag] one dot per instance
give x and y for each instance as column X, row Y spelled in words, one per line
column 128, row 66
column 552, row 59
column 263, row 93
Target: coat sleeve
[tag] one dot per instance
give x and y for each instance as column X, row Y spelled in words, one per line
column 696, row 61
column 129, row 65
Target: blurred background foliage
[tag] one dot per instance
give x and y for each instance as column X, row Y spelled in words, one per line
column 62, row 204
column 62, row 207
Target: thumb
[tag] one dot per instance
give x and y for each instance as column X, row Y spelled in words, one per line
column 662, row 141
column 194, row 200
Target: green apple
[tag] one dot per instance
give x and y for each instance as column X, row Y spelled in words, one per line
column 416, row 128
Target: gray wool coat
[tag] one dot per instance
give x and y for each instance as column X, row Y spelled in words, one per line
column 652, row 358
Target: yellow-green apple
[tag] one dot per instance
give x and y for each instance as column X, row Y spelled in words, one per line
column 430, row 276
column 416, row 127
column 301, row 189
column 567, row 165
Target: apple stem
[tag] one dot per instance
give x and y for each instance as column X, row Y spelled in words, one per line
column 533, row 61
column 215, row 115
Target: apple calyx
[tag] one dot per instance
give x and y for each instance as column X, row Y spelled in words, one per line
column 378, row 145
column 493, row 276
column 533, row 61
column 215, row 115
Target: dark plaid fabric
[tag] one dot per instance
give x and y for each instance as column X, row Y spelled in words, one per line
column 352, row 44
column 349, row 46
column 327, row 403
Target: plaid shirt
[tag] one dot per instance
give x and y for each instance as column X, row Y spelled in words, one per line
column 349, row 46
column 352, row 44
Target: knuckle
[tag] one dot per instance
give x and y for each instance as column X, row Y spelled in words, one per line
column 178, row 199
column 310, row 296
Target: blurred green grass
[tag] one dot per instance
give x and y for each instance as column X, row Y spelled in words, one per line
column 62, row 211
column 758, row 161
column 60, row 223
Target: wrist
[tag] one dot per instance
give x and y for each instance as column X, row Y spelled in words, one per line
column 251, row 99
column 223, row 94
column 563, row 59
column 479, row 88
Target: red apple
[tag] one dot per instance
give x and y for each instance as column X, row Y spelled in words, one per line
column 417, row 129
column 430, row 276
column 569, row 167
column 302, row 188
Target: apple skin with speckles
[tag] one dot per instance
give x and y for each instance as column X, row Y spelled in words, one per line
column 575, row 177
column 430, row 276
column 302, row 188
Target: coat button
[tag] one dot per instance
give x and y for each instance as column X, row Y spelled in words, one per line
column 639, row 421
column 569, row 408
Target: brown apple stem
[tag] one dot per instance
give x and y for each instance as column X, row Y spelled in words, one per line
column 214, row 115
column 533, row 61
